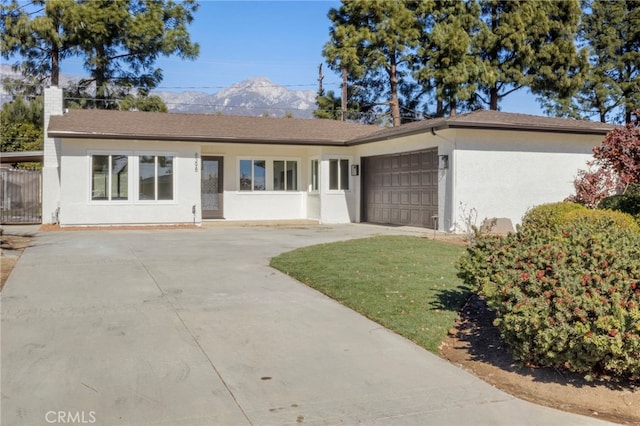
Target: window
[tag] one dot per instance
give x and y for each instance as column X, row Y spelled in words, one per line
column 339, row 174
column 156, row 177
column 315, row 175
column 109, row 177
column 253, row 175
column 285, row 175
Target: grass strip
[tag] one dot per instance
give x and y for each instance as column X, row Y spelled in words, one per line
column 407, row 284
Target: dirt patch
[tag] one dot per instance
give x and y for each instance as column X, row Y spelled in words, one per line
column 11, row 247
column 475, row 345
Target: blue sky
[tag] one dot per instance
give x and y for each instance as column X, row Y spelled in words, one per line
column 280, row 40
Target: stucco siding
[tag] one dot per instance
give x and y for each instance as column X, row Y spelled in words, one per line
column 503, row 174
column 78, row 208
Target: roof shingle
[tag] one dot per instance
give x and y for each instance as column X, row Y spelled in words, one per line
column 241, row 129
column 204, row 128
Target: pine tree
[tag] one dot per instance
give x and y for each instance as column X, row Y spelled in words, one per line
column 527, row 43
column 374, row 41
column 37, row 34
column 611, row 31
column 446, row 63
column 118, row 40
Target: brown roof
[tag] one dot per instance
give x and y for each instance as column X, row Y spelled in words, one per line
column 204, row 128
column 239, row 129
column 497, row 120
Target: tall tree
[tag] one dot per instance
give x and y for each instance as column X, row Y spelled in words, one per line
column 528, row 43
column 611, row 32
column 445, row 62
column 374, row 41
column 118, row 40
column 36, row 32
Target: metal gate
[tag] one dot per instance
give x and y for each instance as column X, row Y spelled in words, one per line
column 20, row 196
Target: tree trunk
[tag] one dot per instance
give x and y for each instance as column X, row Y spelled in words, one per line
column 493, row 99
column 343, row 105
column 453, row 109
column 394, row 103
column 55, row 61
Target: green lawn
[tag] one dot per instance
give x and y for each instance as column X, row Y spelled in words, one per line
column 407, row 284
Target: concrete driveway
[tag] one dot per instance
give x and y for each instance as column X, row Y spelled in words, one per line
column 192, row 327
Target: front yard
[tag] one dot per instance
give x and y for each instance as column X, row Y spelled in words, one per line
column 407, row 284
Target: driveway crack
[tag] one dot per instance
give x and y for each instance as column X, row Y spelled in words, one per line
column 193, row 336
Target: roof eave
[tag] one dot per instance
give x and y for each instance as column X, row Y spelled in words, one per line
column 186, row 138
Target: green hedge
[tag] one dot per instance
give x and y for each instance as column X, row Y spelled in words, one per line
column 547, row 216
column 628, row 203
column 565, row 297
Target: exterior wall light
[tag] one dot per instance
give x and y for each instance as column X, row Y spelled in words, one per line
column 444, row 162
column 355, row 170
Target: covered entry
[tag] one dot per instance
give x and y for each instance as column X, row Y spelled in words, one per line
column 401, row 189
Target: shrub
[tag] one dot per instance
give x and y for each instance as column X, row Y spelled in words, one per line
column 627, row 203
column 601, row 218
column 548, row 216
column 567, row 298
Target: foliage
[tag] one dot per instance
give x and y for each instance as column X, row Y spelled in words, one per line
column 39, row 37
column 407, row 284
column 617, row 219
column 374, row 41
column 523, row 43
column 21, row 119
column 620, row 151
column 626, row 203
column 443, row 57
column 119, row 41
column 549, row 216
column 566, row 297
column 593, row 185
column 610, row 30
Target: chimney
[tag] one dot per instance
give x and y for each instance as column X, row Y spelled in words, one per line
column 51, row 165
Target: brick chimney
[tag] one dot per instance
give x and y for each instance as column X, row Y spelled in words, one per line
column 53, row 105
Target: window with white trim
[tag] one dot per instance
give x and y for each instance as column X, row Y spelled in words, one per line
column 285, row 175
column 338, row 174
column 253, row 174
column 155, row 177
column 315, row 175
column 109, row 177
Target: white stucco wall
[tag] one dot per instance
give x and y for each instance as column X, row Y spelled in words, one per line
column 504, row 173
column 77, row 208
column 269, row 204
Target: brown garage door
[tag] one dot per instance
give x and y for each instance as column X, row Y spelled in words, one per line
column 401, row 189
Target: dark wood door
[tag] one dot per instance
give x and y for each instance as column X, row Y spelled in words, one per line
column 401, row 189
column 212, row 188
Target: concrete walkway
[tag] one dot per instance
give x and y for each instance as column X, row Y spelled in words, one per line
column 192, row 327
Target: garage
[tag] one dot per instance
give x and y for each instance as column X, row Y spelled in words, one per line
column 401, row 189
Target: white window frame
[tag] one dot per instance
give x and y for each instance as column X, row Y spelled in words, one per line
column 318, row 175
column 297, row 177
column 349, row 179
column 268, row 175
column 174, row 176
column 130, row 176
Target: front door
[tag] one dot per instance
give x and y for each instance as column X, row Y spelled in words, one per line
column 212, row 187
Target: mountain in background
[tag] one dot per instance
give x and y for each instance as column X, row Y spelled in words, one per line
column 255, row 97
